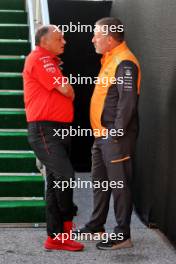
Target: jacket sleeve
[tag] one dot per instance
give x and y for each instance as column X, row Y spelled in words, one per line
column 127, row 90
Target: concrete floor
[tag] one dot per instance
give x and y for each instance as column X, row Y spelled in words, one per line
column 24, row 245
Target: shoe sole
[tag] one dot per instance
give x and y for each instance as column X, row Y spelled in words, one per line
column 63, row 247
column 123, row 245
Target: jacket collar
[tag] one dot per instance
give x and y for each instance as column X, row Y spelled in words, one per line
column 118, row 49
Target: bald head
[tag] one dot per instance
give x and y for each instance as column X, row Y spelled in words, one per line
column 51, row 39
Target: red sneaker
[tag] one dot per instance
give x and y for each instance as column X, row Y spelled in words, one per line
column 68, row 226
column 58, row 243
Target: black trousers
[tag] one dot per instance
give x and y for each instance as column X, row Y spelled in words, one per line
column 53, row 152
column 112, row 161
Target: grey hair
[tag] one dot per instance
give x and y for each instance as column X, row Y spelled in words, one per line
column 110, row 21
column 42, row 31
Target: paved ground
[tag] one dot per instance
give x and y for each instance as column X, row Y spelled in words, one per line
column 24, row 245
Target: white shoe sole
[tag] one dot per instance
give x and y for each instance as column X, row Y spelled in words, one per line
column 126, row 244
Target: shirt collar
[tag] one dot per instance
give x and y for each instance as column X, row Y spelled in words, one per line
column 47, row 52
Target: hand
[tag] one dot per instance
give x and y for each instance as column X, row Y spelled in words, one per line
column 67, row 90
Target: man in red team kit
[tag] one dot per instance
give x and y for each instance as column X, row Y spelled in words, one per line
column 49, row 107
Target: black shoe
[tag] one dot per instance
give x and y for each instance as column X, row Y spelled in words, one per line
column 114, row 244
column 87, row 234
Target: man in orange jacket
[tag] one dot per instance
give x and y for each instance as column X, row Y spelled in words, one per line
column 113, row 110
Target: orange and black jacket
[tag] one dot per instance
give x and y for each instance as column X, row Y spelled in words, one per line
column 114, row 105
